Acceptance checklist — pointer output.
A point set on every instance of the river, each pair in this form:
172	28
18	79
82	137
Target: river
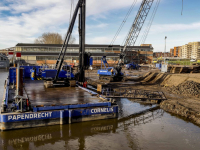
153	130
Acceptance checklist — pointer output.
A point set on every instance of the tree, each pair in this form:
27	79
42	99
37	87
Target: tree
49	38
53	38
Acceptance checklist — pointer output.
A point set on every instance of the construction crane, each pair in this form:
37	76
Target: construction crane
58	79
106	73
136	27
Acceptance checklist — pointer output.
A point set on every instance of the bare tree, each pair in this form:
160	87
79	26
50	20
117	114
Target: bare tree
49	38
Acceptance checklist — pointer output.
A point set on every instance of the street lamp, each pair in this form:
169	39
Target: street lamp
165	48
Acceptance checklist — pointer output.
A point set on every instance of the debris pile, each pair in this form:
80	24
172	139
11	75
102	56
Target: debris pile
188	88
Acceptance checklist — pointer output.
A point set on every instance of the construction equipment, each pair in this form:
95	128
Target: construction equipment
66	76
109	73
132	65
59	79
114	73
136	28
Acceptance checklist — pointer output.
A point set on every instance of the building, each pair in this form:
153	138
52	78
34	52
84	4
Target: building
195	50
6	51
186	51
146	45
48	53
191	50
161	54
177	51
139	54
172	52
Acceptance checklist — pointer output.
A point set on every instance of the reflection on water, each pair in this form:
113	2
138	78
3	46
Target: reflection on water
152	130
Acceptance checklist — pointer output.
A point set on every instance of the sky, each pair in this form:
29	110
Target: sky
22	21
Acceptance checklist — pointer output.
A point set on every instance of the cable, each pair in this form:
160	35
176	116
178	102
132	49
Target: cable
71	10
123	22
182	8
143	39
146	32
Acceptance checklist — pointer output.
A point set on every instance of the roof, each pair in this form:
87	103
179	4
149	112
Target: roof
75	45
60	45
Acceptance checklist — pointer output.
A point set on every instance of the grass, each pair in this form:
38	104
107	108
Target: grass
181	62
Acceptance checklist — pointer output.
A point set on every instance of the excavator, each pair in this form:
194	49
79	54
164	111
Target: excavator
105	73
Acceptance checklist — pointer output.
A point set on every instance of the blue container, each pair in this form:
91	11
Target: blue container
158	66
12	74
91	61
27	70
52	73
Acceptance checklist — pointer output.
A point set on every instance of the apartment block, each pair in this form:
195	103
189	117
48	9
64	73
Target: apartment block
177	51
186	51
195	50
172	52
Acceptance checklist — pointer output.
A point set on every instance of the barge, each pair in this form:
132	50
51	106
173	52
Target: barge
33	105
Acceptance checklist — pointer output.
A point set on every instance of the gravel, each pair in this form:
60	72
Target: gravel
187	88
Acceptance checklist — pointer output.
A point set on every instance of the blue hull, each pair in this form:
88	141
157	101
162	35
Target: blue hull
11	121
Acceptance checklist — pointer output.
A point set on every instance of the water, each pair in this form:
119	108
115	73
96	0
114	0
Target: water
153	130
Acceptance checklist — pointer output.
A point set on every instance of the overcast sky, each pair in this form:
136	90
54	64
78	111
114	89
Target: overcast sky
21	21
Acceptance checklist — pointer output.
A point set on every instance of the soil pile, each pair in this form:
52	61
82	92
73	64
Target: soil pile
188	88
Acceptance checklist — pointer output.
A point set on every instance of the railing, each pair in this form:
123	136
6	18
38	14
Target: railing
133	94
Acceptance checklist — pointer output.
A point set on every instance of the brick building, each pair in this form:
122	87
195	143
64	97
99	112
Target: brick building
161	54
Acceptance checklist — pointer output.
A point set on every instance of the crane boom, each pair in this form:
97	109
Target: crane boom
138	23
79	7
66	41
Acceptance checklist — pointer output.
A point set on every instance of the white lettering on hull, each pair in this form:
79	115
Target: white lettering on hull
30	116
100	110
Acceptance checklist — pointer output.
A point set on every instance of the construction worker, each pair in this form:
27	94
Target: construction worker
85	84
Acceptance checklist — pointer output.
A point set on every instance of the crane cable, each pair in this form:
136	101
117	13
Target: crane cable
123	22
71	15
146	32
71	10
182	8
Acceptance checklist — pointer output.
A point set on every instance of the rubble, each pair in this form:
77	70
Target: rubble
187	88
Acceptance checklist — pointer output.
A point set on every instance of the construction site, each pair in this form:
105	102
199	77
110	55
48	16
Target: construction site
175	91
98	96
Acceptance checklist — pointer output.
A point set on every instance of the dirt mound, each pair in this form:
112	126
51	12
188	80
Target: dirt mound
187	88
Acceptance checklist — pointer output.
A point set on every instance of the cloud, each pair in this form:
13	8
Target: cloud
4	8
100	25
100	40
160	28
27	20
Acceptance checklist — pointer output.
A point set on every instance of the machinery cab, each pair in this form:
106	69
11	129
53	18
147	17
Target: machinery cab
132	65
110	73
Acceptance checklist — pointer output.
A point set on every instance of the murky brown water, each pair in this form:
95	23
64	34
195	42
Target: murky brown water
154	130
